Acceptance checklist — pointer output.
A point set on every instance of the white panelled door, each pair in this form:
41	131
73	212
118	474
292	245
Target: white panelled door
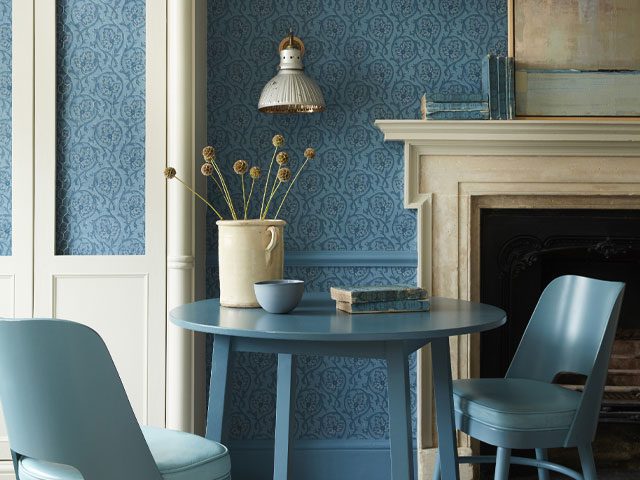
123	297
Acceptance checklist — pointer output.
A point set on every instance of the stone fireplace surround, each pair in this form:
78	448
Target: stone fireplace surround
453	169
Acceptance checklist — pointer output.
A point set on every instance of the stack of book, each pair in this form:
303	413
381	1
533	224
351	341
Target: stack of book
498	86
496	102
380	299
462	106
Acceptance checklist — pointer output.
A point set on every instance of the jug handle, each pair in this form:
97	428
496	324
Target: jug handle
275	237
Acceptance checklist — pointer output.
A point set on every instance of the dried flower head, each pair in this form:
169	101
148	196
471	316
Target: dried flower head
282	158
254	172
284	174
310	153
209	153
240	167
206	169
170	172
278	140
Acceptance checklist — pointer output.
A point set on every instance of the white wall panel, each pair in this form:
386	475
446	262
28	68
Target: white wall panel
116	307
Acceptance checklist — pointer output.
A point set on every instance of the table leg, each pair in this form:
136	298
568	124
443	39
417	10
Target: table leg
447	445
218	387
285	410
400	436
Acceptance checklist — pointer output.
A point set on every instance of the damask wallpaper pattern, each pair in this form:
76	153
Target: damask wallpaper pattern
100	127
5	127
372	59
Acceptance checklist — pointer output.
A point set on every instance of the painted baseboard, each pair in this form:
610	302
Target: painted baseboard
315	459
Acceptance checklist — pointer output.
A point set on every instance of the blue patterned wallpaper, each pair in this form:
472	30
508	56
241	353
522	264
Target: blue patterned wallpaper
100	127
5	127
372	60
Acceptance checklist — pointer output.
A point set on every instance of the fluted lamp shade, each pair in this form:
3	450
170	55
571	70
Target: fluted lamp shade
291	91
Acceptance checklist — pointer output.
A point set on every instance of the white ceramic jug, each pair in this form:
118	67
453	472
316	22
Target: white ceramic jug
249	251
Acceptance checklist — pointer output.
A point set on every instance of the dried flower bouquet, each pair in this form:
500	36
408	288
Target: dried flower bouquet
211	169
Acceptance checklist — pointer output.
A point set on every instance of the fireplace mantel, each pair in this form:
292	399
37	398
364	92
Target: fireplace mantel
620	137
453	169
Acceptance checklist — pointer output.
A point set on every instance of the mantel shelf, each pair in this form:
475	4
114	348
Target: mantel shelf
529	137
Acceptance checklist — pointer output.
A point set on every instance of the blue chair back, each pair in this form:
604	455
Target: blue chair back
64	402
572	330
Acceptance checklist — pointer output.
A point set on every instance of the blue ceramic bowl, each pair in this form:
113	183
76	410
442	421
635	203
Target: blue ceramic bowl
279	296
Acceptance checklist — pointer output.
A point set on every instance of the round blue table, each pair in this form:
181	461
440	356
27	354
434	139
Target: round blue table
315	327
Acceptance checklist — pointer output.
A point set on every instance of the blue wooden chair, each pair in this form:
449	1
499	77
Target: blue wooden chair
68	416
571	331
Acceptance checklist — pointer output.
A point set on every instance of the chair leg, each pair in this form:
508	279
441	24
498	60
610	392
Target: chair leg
541	454
503	459
14	458
587	462
436	468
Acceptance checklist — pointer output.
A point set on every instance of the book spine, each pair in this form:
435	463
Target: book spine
502	88
365	295
457	97
492	85
456	106
511	87
382	307
471	115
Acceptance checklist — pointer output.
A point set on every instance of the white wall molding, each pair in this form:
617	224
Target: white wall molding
186	135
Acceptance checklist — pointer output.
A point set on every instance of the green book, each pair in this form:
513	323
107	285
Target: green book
377	293
394	306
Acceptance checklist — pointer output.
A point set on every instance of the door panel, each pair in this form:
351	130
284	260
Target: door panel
116	307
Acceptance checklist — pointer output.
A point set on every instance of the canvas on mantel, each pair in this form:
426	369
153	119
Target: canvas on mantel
576	57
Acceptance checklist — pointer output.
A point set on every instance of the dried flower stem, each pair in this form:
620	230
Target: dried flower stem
244	197
217	183
290	185
246	205
200	197
266	209
266	185
226	190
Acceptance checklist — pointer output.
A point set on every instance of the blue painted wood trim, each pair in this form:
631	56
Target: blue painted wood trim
344	258
354	258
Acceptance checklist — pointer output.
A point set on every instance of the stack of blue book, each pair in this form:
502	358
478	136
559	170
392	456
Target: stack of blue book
498	86
457	106
380	299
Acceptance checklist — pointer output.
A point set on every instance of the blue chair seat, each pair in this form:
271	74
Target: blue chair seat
179	456
515	403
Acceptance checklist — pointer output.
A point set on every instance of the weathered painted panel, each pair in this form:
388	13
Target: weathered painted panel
581	34
575	93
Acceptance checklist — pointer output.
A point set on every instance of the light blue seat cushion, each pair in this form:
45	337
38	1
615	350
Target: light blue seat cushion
179	456
515	403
